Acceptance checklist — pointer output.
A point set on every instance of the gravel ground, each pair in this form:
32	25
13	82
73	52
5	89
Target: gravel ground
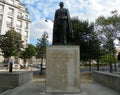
39	89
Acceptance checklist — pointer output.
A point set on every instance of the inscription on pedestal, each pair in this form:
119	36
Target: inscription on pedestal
62	74
59	57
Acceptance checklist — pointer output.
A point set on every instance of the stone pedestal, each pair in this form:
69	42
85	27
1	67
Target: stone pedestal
63	69
14	79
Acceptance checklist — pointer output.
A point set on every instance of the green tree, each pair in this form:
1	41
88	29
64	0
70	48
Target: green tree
108	29
85	36
107	59
28	53
41	48
11	43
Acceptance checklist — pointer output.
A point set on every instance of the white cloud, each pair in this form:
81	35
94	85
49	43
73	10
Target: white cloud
29	2
84	9
39	27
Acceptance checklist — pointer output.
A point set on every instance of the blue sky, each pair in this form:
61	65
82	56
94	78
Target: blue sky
84	9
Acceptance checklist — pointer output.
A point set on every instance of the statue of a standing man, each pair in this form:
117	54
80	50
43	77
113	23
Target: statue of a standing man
62	30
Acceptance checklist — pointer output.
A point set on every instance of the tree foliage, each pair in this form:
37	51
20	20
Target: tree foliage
11	43
41	49
85	36
41	46
29	52
108	30
107	59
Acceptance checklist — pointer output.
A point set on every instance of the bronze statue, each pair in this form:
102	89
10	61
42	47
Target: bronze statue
62	30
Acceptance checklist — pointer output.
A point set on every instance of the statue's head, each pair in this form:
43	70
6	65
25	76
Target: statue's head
61	4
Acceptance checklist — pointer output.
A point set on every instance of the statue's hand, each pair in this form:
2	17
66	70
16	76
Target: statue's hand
64	17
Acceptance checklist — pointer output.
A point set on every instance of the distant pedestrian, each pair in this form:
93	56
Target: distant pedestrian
10	66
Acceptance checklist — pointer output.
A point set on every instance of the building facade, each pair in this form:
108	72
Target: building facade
13	14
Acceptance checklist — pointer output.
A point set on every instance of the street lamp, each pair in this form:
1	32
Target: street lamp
46	20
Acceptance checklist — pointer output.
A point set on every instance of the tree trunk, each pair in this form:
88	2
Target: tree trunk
89	65
111	69
115	67
41	65
8	60
25	60
98	65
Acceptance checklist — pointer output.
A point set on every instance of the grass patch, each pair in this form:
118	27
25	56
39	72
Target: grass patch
86	77
42	76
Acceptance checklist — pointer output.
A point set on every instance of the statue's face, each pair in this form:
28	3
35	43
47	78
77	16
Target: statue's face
61	4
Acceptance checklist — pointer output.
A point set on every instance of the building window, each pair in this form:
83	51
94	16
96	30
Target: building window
0	21
2	0
26	25
8	28
16	2
26	17
1	18
19	15
26	34
19	24
11	2
19	31
1	8
25	42
11	11
9	21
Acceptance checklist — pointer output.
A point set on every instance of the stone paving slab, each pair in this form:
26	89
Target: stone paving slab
39	89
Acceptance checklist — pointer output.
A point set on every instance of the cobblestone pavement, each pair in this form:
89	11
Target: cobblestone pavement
32	88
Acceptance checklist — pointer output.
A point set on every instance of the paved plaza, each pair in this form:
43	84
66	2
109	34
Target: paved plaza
32	88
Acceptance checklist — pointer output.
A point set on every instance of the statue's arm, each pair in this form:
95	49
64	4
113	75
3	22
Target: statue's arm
68	15
69	24
55	21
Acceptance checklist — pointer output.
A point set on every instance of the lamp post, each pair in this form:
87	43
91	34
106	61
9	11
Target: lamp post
46	20
43	50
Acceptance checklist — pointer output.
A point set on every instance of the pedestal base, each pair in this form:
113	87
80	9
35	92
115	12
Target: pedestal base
63	69
14	79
